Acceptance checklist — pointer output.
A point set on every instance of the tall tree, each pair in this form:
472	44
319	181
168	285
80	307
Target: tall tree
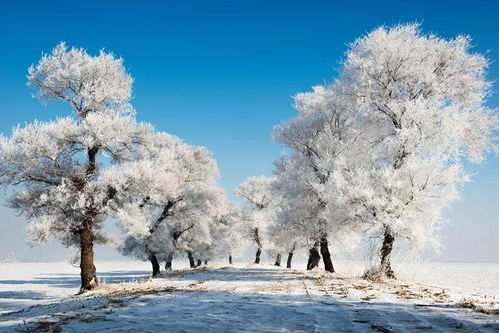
421	113
319	136
54	167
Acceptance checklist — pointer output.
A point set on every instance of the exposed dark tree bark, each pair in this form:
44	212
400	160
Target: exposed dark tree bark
230	259
169	260
87	268
152	257
88	272
257	256
191	259
313	258
326	256
388	239
164	214
278	260
386	251
256	238
290	258
199	263
154	263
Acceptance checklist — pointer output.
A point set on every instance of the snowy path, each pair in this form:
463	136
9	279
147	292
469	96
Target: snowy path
256	299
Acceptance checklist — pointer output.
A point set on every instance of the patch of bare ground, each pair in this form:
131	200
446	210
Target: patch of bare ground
479	306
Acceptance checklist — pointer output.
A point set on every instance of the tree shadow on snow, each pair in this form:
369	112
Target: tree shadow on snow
12	300
26	295
55	281
65	280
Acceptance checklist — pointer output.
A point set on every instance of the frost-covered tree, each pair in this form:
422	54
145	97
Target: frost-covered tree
292	228
321	134
169	199
229	235
421	112
381	150
10	258
226	236
258	211
299	220
203	245
54	167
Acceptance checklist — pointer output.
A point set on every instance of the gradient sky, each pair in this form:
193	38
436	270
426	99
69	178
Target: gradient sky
222	73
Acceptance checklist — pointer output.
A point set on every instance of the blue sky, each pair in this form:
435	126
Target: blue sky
221	74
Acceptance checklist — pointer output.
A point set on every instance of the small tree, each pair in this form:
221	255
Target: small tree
286	234
258	212
229	233
55	166
296	223
10	258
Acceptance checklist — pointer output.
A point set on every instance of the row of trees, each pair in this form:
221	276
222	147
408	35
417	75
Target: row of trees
378	153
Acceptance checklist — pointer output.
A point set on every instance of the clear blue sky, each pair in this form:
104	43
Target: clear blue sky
221	74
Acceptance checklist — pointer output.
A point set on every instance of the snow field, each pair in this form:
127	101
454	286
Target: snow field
258	298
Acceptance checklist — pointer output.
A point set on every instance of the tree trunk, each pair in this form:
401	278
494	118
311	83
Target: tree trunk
88	272
290	258
386	251
313	258
199	263
257	256
256	238
87	268
278	260
155	264
168	265
230	259
326	256
191	259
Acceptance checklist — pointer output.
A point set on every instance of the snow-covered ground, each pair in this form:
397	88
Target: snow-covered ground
465	277
437	296
23	284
